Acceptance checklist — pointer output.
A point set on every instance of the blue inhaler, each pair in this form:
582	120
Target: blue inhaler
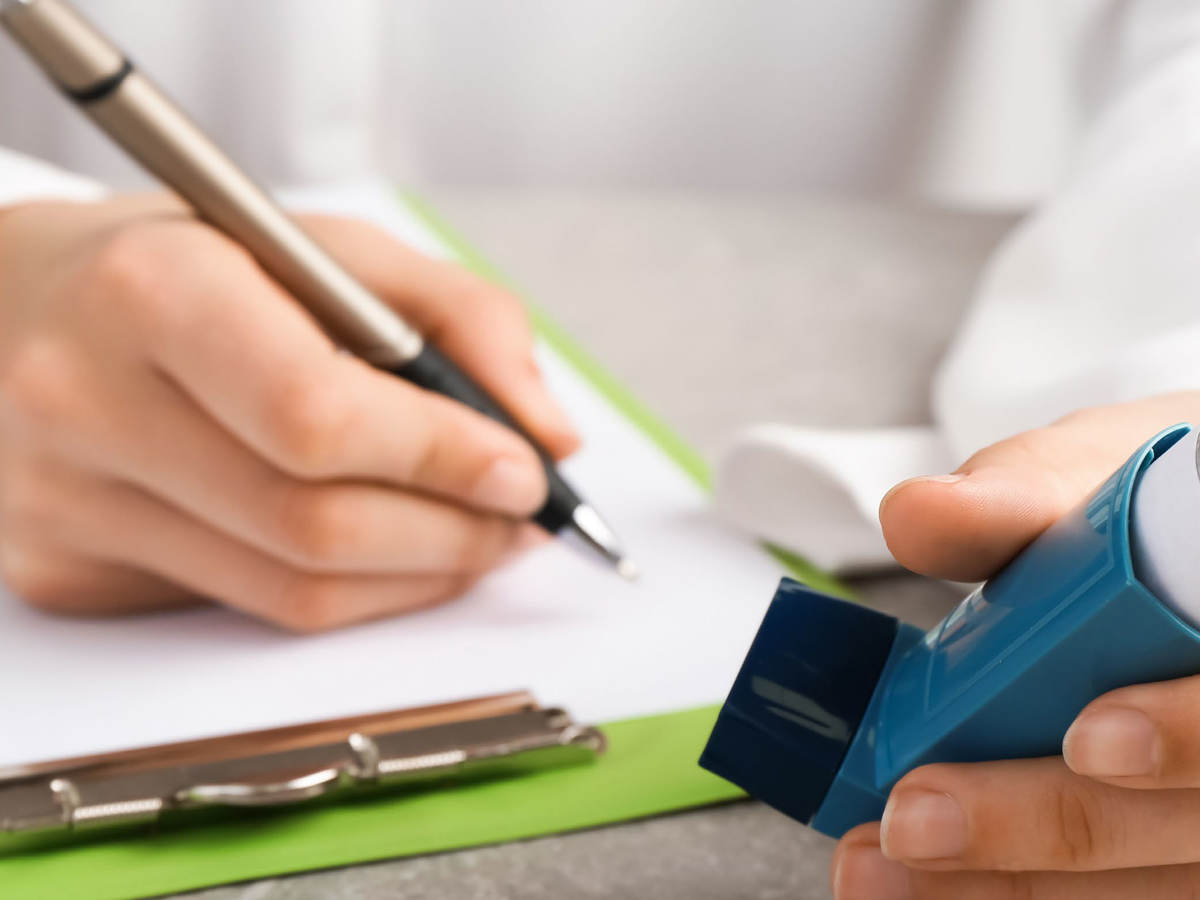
835	701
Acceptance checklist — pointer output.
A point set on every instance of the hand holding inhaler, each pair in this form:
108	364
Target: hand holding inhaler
1100	601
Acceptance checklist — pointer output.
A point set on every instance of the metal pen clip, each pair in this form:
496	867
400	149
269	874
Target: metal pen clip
493	736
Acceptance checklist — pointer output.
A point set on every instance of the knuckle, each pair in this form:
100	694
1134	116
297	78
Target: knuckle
312	603
38	385
449	449
483	546
487	300
446	445
1055	451
126	268
426	452
436	590
136	270
316	528
470	297
24	504
1022	886
35	580
1077	827
307	418
360	231
1046	451
326	223
505	302
453	587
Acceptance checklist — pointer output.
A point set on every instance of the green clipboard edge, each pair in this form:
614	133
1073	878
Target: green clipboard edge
640	776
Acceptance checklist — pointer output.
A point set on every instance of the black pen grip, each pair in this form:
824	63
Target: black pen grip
434	371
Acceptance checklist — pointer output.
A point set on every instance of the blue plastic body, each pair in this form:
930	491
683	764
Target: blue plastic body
1002	676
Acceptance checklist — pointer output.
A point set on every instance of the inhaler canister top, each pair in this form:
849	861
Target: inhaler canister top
1164	528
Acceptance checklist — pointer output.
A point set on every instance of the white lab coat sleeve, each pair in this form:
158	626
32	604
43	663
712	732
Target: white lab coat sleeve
1096	297
24	178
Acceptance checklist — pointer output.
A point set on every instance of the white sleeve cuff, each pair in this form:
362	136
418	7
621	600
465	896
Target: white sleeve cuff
24	178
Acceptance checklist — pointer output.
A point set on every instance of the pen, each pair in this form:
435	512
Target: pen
94	73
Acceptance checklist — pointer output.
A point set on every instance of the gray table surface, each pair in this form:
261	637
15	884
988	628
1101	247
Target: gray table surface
718	310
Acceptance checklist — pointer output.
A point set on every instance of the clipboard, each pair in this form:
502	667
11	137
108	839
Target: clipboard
649	766
497	736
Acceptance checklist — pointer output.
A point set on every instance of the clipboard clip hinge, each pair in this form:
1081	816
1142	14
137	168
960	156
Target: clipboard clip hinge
102	793
77	814
365	753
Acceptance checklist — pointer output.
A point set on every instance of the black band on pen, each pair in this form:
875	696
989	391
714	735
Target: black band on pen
100	89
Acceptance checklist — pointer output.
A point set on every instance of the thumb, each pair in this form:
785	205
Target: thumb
966	525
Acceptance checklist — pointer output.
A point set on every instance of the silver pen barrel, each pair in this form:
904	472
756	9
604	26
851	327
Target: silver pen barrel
154	131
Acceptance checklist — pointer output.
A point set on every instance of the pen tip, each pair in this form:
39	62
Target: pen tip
628	569
600	537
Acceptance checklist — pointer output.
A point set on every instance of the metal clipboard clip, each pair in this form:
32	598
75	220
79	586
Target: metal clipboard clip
495	736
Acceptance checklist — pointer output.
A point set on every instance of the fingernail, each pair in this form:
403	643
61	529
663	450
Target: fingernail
919	479
864	873
1112	742
920	824
510	486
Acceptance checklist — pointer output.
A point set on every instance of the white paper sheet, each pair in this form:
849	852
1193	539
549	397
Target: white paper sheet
555	622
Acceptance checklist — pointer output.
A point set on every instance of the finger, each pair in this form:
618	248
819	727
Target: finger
862	872
1143	736
482	327
967	525
1034	815
145	431
317	526
120	523
58	581
250	357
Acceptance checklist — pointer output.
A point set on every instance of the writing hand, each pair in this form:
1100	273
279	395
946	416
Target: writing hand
174	426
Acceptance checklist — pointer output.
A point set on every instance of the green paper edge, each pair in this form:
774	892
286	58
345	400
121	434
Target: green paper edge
607	386
648	770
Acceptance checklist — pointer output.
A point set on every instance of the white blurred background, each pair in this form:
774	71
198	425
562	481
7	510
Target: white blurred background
964	102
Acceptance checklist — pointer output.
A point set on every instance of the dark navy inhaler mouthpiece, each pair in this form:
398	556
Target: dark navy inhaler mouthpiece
836	701
797	703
